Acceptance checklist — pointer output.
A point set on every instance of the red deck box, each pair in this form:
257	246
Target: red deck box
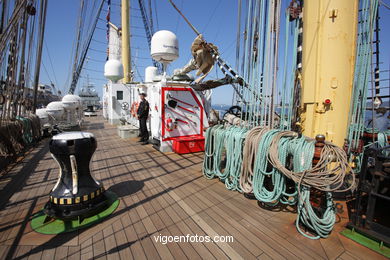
188	144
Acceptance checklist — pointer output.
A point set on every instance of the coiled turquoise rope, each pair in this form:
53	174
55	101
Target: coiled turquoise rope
260	173
306	215
230	141
27	129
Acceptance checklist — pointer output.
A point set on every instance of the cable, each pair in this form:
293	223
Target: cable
51	63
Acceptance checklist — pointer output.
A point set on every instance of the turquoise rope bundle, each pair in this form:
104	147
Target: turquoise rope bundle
382	141
303	152
307	216
212	145
27	129
230	141
234	142
260	173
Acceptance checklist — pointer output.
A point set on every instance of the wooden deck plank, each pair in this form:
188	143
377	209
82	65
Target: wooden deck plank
36	255
99	251
61	252
123	244
236	245
212	247
161	222
86	249
74	253
110	243
346	256
134	245
187	248
358	251
49	254
23	252
202	251
240	235
159	194
150	228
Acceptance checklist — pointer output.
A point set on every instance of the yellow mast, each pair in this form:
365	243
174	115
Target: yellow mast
126	54
329	41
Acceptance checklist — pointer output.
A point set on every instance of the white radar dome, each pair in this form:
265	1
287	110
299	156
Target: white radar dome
150	73
55	109
71	102
164	47
80	101
113	70
43	115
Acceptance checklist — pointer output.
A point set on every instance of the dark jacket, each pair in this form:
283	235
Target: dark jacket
143	109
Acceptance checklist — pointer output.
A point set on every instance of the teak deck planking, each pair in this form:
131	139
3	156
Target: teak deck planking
159	194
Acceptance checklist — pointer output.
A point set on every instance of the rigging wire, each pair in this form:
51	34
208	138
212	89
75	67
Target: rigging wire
178	18
212	16
51	63
155	12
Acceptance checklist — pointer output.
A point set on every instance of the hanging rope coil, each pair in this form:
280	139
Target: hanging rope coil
27	129
11	141
329	174
275	193
249	156
222	141
262	161
234	143
308	217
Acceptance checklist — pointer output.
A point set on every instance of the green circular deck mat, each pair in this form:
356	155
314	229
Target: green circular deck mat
59	226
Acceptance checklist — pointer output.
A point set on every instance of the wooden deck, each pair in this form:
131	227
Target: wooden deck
159	194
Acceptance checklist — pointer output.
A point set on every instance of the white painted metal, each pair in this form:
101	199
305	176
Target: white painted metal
55	110
72	135
164	47
113	70
151	74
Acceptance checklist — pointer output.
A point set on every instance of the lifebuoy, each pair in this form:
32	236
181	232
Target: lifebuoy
169	125
134	108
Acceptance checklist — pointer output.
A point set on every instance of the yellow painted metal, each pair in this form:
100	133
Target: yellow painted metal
126	55
329	43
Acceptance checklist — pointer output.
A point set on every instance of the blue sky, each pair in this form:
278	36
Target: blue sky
216	19
217	22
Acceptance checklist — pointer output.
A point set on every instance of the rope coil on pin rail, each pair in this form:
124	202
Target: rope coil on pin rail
250	151
329	174
278	191
224	141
